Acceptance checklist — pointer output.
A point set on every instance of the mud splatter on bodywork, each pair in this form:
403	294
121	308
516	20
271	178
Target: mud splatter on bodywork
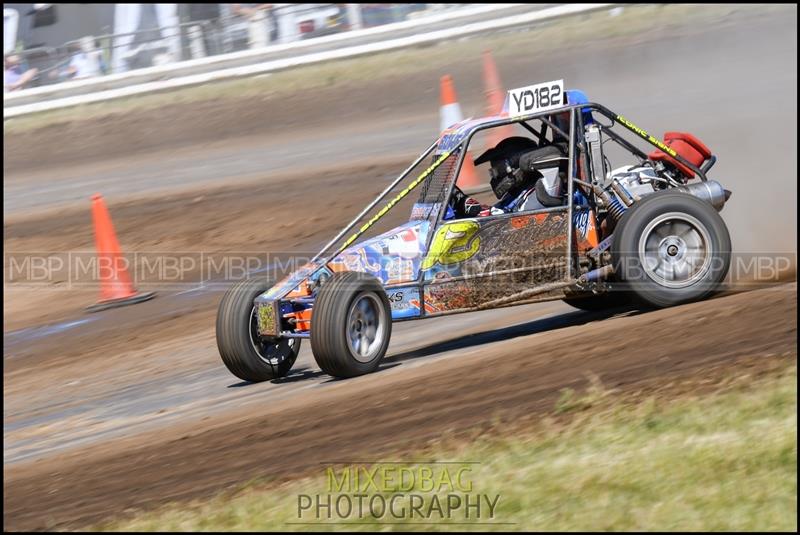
494	258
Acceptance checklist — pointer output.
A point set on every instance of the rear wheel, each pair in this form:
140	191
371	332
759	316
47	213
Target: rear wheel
671	248
351	325
247	355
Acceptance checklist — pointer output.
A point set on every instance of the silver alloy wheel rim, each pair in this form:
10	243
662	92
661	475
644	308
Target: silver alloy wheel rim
675	250
366	326
272	354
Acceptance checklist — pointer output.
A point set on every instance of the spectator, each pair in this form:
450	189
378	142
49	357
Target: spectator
209	17
85	61
14	77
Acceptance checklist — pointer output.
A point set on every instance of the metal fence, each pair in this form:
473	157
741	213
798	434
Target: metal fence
100	55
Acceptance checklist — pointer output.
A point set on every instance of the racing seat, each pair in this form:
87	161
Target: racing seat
688	147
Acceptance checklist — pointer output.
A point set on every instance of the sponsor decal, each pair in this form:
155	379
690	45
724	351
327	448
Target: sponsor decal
581	220
358	260
404	244
404	302
652	139
399	270
451	139
520	222
430	308
424	210
585	229
453	244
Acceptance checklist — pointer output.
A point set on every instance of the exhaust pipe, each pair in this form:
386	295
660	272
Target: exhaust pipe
710	191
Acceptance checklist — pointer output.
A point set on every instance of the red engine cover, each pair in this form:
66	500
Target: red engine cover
687	146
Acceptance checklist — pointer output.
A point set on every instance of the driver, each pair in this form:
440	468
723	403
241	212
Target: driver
516	173
511	186
524	175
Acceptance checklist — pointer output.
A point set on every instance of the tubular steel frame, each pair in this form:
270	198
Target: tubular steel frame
459	150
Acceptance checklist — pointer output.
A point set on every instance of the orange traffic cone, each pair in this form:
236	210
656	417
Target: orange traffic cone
450	110
116	288
468	180
450	114
495	97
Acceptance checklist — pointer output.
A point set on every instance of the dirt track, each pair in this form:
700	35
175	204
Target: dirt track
130	408
493	377
257	218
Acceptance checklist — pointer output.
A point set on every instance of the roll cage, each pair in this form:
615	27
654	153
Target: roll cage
463	136
453	143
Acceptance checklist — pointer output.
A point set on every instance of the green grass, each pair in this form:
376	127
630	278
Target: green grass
541	40
723	461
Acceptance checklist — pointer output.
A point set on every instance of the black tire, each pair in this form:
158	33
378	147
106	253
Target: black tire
661	237
244	353
335	315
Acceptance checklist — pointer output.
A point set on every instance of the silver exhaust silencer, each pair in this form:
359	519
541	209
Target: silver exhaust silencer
710	191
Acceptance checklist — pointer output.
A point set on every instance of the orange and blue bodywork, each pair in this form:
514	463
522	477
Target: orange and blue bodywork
431	266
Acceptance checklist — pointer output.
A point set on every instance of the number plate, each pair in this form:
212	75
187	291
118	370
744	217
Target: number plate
536	98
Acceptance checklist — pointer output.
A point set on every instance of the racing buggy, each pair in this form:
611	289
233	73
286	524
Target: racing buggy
596	236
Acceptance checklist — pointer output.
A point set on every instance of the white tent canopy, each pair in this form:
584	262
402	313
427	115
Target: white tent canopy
129	18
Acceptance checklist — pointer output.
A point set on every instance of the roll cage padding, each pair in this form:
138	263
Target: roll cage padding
552	155
546	157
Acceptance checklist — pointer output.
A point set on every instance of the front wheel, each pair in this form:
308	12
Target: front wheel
671	248
247	355
351	324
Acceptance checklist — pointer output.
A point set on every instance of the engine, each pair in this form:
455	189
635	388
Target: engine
631	183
